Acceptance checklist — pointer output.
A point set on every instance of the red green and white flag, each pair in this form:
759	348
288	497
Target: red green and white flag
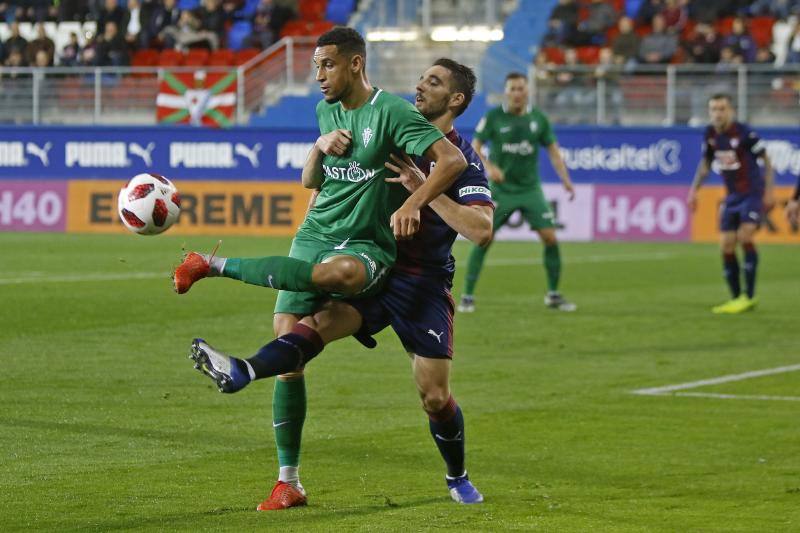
199	98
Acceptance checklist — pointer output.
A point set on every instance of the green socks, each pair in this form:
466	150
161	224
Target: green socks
288	416
474	266
284	273
552	265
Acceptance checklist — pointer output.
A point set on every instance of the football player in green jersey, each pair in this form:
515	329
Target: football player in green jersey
514	133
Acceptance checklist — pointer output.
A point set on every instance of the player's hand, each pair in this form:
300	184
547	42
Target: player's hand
496	175
404	222
793	212
408	173
769	201
691	199
570	190
335	143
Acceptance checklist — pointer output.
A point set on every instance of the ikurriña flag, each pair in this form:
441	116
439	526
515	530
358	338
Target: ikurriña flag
199	98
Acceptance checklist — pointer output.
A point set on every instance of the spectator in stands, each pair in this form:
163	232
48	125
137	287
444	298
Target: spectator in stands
647	10
42	42
263	35
626	45
133	30
704	45
782	32
564	20
608	69
15	59
88	56
571	89
189	34
781	9
213	18
42	59
675	13
764	56
72	10
601	17
658	46
112	50
111	12
70	54
545	82
794	46
15	42
708	10
741	41
163	16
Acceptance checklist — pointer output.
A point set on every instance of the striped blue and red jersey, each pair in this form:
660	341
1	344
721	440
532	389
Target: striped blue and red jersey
734	154
428	253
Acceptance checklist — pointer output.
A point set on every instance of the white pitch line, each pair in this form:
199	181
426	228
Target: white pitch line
655	256
96	276
738	396
656	391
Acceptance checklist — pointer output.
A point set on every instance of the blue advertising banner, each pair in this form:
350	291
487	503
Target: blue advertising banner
659	156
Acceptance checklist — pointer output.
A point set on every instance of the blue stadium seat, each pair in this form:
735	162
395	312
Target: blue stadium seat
248	10
188	4
238	33
339	10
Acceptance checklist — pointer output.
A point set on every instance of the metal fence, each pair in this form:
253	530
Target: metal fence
127	95
665	95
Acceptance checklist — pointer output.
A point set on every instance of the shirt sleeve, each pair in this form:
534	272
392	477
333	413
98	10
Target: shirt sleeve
483	131
548	137
472	187
708	150
755	144
410	131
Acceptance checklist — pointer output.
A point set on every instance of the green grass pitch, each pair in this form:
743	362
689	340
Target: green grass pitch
106	426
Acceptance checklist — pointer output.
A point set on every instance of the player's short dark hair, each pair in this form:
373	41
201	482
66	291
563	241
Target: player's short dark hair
721	96
462	80
347	41
515	75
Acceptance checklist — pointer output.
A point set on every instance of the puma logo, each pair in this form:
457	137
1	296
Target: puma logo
144	153
251	154
437	335
476	165
41	153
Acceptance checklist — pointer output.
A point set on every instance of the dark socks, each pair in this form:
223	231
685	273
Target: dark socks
750	265
730	267
447	430
287	353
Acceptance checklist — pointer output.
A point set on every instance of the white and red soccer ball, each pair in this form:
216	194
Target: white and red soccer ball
149	204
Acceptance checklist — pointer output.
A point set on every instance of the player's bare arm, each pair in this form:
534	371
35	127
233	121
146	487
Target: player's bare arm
700	176
472	221
769	182
336	143
554	153
493	172
450	162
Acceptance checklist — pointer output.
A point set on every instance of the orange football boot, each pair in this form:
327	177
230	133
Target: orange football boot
193	268
283	496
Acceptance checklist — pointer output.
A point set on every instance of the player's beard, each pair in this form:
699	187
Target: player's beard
432	114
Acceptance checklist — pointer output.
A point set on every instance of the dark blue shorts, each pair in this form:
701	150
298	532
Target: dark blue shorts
420	310
738	210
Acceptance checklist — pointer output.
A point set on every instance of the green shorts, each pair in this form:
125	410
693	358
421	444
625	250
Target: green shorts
535	208
313	250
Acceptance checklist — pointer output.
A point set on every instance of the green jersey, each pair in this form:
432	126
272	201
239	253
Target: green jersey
355	203
514	142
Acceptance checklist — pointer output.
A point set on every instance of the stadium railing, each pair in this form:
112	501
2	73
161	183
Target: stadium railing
665	95
127	95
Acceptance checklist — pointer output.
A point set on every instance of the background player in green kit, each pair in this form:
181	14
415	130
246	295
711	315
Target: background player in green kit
514	133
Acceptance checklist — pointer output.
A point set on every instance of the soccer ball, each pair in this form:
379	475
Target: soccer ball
149	204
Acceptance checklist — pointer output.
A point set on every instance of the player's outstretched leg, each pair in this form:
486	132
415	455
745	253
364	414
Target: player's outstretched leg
288	353
193	268
229	373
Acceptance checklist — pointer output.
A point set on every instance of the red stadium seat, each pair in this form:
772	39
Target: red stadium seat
246	54
643	30
312	10
170	58
196	57
554	55
320	27
294	27
761	30
724	25
145	57
611	34
221	58
588	54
